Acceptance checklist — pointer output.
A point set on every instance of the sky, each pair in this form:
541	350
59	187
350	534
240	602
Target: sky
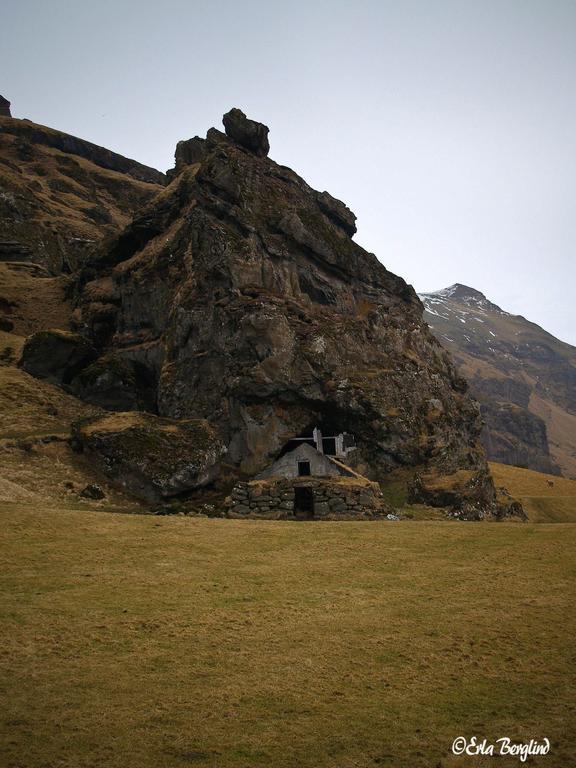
447	126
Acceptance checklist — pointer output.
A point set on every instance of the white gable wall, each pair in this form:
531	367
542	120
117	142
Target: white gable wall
287	465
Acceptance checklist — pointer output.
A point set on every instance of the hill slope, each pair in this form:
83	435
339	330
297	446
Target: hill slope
524	377
60	195
544	498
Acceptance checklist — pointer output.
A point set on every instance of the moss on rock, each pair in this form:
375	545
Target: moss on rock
152	458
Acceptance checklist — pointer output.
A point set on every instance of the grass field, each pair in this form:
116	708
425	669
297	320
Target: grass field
545	498
137	641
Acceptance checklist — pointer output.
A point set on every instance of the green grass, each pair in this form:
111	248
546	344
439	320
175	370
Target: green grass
145	642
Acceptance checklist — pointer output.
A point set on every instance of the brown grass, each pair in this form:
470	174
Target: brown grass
36	460
86	185
37	302
542	502
134	641
458	479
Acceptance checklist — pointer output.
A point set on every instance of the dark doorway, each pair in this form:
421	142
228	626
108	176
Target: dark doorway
303	503
329	446
303	469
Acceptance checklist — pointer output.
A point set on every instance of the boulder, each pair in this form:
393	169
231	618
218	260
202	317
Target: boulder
465	494
248	133
152	458
92	491
115	384
188	152
57	356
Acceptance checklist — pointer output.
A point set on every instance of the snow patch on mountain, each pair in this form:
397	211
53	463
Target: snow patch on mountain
459	293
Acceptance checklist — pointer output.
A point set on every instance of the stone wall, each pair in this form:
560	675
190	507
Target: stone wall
334	499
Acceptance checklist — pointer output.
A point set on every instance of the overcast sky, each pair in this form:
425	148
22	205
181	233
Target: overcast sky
448	126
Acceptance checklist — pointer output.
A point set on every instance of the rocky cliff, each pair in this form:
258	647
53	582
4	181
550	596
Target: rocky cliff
523	376
240	298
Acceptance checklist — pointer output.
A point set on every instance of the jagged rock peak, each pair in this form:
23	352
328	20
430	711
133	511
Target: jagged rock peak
4	107
252	136
240	131
248	133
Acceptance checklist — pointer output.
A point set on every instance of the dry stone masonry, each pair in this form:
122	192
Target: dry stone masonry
314	498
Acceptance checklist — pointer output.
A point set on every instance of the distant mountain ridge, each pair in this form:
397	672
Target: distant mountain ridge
523	377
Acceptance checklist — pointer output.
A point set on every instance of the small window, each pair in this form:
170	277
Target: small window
303	468
329	446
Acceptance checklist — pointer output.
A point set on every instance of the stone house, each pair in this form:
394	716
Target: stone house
304	484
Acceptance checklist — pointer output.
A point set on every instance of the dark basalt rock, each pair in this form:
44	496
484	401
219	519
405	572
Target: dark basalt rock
12	250
241	290
466	495
247	133
4	107
92	491
115	384
152	458
57	356
338	212
188	152
515	436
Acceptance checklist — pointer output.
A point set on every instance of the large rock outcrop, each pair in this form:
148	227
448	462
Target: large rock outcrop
56	355
247	133
240	291
152	458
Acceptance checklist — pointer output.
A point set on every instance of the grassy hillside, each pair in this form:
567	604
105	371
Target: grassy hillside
35	417
36	459
135	641
61	195
545	498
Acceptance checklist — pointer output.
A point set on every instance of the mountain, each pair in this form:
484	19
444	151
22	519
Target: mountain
524	378
60	195
234	313
176	341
